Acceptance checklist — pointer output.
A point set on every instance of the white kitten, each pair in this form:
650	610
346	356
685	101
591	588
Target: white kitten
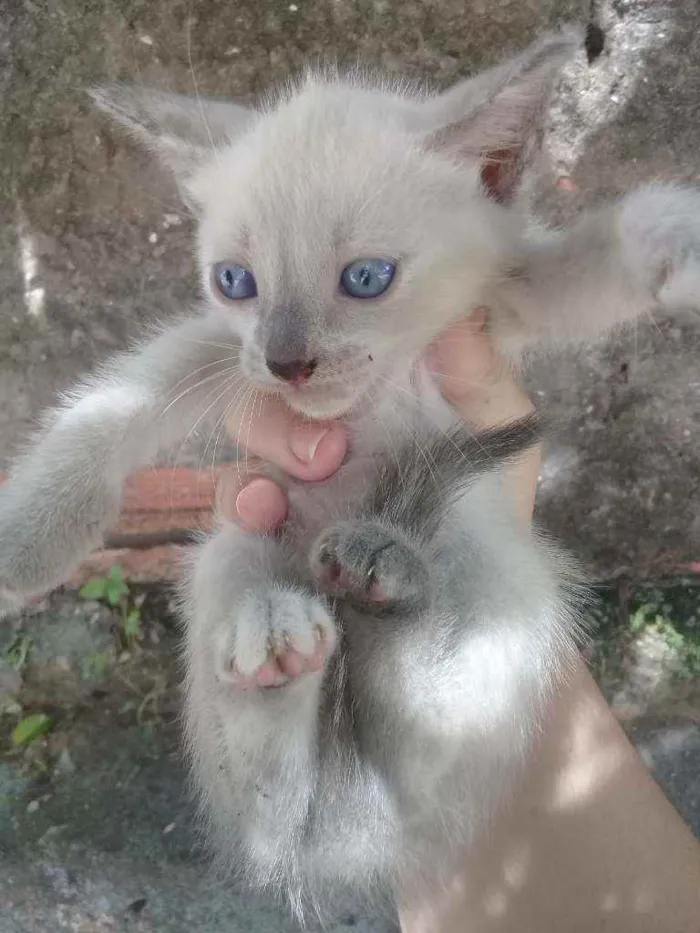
363	689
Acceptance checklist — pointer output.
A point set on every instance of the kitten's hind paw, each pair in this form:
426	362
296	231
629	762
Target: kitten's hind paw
276	636
372	563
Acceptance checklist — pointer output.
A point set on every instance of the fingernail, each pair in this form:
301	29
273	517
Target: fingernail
305	439
248	497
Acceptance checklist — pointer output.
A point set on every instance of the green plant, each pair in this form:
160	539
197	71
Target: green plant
685	647
30	728
113	590
18	653
95	666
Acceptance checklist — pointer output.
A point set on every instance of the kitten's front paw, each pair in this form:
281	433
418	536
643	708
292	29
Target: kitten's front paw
277	635
368	561
660	232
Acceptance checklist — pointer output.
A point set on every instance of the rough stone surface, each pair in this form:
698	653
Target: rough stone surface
94	244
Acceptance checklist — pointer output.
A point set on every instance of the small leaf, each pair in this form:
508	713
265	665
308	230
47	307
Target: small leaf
115	574
132	624
112	596
115	592
94	589
30	728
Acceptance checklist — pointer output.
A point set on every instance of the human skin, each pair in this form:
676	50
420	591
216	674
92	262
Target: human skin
589	843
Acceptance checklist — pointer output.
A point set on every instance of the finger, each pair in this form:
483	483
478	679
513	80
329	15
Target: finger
308	450
473	376
254	502
463	358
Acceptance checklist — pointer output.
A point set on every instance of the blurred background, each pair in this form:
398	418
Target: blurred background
95	828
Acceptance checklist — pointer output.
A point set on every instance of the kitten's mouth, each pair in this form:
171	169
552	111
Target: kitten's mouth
321	401
330	399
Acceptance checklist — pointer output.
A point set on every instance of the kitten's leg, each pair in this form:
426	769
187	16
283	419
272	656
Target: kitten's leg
256	653
611	267
454	645
68	486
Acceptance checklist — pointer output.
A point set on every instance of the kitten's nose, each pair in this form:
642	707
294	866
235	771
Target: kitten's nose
294	371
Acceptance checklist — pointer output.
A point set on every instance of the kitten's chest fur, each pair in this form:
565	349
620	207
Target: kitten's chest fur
375	435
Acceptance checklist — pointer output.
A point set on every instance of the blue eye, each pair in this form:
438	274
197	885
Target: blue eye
367	278
234	281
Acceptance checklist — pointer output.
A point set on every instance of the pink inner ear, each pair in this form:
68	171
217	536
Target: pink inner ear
500	173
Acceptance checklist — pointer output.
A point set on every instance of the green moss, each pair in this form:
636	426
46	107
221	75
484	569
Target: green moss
96	666
622	616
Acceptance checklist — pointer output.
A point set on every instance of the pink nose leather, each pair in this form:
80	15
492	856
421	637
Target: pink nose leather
295	371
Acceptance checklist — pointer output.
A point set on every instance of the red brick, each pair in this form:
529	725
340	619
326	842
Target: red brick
151	565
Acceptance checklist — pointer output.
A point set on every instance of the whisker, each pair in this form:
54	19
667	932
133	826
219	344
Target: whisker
217	362
231	370
221	423
200	105
217	423
218	429
258	411
254	404
211	343
392	447
473	434
227	388
425	454
238	439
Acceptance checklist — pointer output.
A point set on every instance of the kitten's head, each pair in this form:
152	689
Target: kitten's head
346	224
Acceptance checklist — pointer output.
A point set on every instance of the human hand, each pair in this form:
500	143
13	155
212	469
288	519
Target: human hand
472	377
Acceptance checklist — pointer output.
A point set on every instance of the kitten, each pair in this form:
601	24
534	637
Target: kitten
362	689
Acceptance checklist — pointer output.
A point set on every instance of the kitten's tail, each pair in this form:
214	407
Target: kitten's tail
416	487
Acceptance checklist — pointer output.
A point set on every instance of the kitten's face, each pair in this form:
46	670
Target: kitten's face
336	182
308	211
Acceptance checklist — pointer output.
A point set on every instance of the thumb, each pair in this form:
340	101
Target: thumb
252	501
307	450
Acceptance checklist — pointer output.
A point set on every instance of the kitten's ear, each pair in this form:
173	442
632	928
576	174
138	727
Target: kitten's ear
497	117
184	132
